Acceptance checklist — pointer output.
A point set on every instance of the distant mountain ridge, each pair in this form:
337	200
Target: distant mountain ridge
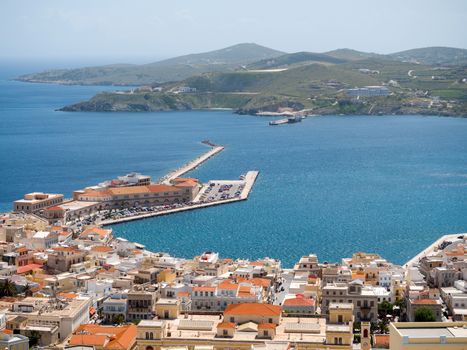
172	69
246	56
433	56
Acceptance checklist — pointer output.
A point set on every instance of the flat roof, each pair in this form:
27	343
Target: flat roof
425	332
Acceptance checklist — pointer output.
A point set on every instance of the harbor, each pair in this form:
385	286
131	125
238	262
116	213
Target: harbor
249	180
134	196
193	163
432	248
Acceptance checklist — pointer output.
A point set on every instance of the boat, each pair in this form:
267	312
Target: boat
294	119
278	122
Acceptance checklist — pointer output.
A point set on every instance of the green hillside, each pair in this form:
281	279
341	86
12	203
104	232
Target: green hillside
448	56
174	69
292	59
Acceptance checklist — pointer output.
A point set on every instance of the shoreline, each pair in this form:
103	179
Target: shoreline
250	179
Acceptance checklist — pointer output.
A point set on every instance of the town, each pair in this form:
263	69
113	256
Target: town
78	286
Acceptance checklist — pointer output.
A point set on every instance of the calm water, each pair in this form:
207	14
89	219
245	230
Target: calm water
330	185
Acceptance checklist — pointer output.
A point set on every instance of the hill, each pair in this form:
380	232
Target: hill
443	56
319	88
173	69
351	55
293	59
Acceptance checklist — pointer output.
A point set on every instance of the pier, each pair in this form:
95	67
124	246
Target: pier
192	164
431	249
249	180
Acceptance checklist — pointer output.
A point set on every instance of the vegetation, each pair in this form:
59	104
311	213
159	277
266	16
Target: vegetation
7	289
118	319
424	314
244	77
174	69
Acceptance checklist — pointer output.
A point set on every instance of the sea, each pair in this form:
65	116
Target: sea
331	185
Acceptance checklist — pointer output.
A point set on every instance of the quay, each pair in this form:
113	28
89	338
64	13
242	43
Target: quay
166	180
249	180
430	249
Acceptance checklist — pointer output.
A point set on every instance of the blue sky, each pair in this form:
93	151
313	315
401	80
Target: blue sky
145	30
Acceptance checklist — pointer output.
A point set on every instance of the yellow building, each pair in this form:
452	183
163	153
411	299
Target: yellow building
167	308
167	276
251	329
428	335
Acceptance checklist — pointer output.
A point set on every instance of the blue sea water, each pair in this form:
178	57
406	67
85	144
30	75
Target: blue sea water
330	185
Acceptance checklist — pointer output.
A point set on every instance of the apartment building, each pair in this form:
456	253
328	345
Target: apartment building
363	298
36	201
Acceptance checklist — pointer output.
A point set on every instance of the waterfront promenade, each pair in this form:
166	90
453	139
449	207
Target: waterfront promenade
249	181
192	164
430	249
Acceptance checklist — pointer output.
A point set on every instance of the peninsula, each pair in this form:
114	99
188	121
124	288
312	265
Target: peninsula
252	79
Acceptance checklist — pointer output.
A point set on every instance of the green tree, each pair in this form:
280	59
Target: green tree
118	319
424	314
385	308
7	289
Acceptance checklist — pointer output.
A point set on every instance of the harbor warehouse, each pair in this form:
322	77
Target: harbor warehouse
134	196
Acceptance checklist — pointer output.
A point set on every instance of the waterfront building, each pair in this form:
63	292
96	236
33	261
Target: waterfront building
427	335
308	264
131	179
136	196
36	201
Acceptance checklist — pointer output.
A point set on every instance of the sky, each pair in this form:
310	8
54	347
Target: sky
140	31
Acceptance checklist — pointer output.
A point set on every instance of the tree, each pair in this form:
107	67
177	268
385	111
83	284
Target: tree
7	289
118	319
34	338
385	308
424	314
27	290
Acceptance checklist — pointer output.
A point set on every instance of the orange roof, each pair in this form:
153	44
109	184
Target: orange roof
161	188
118	338
100	231
299	302
54	208
256	263
424	302
267	326
67	295
253	309
21	250
28	268
101	249
187	183
65	233
88	339
96	193
224	325
65	249
228	285
7	331
263	282
183	294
